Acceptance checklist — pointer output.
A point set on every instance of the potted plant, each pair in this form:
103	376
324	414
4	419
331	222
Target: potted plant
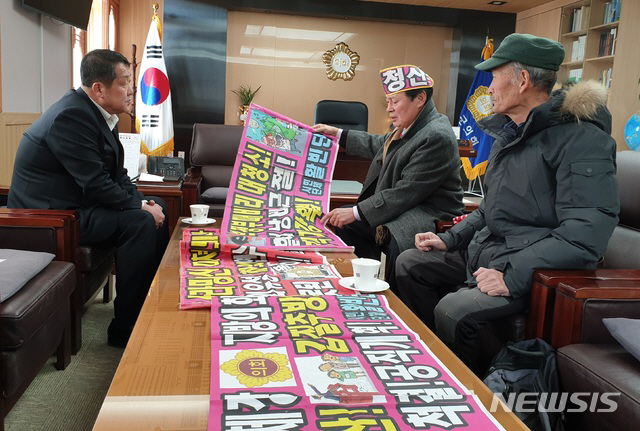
246	95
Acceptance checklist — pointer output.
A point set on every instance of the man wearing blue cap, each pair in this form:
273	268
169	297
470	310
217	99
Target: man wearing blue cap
550	202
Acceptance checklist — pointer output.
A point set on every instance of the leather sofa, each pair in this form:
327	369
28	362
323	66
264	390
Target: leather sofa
214	148
36	321
620	267
94	265
595	363
589	359
621	260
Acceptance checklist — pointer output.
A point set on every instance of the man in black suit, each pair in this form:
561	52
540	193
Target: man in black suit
71	158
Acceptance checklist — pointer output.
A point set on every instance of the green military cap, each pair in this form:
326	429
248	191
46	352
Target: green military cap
526	49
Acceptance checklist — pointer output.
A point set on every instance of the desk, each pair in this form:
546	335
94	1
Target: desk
162	382
465	148
171	192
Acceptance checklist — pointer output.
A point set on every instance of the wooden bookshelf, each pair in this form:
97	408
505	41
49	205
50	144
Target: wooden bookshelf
585	26
550	20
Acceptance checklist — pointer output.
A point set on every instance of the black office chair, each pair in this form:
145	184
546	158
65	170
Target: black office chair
342	114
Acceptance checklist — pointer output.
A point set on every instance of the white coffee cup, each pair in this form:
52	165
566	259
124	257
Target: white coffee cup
199	213
365	273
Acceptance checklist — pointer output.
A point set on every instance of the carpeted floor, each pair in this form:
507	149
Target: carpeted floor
70	400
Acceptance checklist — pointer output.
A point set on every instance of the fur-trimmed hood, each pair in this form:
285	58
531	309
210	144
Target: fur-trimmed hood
583	100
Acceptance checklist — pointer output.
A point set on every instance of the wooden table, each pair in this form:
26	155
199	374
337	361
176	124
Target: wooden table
162	382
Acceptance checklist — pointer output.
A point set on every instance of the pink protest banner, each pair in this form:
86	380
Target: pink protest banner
209	269
329	363
280	186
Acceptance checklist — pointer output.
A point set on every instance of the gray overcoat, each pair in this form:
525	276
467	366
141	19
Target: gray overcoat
418	183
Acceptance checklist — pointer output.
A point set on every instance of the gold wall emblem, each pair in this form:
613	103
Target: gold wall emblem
341	62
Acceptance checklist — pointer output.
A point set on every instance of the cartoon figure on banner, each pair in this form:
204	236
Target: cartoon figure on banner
338	362
244	240
276	133
321	372
346	375
294	271
343	394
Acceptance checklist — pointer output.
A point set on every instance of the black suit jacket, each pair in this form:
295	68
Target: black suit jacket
69	159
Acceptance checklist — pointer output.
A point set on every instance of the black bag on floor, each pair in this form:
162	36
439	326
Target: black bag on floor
529	367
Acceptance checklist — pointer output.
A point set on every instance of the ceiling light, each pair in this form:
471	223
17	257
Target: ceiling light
497	3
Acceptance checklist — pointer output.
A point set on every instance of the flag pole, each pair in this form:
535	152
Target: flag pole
134	64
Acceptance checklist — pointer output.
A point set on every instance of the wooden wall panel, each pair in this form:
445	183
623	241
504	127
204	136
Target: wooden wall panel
527	25
544	23
292	67
12	126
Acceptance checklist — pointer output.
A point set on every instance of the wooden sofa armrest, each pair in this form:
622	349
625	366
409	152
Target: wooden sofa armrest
552	277
63	226
571	297
543	293
191	188
4	195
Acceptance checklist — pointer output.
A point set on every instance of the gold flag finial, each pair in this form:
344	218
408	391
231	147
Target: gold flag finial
156	18
487	51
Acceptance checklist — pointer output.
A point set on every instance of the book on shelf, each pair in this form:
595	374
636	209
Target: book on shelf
580	18
614	37
575	75
611	12
607	42
577	48
605	77
586	16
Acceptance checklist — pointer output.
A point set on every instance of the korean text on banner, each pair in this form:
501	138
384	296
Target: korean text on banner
280	185
154	118
210	269
329	363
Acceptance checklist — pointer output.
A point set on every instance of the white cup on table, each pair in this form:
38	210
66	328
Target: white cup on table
365	273
199	213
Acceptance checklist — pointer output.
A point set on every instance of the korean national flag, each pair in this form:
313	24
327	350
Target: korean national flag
154	118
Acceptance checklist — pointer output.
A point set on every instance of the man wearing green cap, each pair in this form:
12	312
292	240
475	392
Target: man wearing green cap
551	202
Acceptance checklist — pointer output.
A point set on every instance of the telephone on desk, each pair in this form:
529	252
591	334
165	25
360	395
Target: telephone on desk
171	168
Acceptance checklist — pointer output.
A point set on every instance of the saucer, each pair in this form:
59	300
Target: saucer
379	287
189	221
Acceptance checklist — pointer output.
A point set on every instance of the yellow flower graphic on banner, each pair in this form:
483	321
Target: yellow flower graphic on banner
253	368
479	103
